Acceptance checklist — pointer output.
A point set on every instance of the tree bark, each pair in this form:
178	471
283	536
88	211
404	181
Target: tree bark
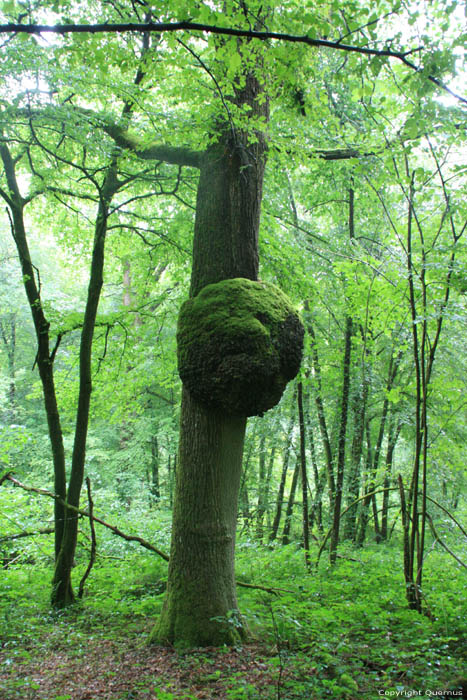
304	477
62	592
201	586
393	435
200	607
316	510
154	486
316	387
344	410
290	504
267	490
355	473
261	505
44	356
285	466
341	443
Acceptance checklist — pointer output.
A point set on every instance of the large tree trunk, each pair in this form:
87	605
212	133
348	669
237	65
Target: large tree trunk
201	583
201	588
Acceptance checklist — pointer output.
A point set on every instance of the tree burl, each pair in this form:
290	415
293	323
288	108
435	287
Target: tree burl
239	343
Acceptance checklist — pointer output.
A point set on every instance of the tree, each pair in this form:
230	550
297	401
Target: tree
45	356
201	587
106	185
430	286
229	151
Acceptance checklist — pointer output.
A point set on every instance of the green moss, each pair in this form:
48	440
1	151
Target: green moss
239	343
179	628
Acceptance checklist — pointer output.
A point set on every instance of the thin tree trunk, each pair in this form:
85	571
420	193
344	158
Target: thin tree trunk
261	506
316	512
364	505
290	504
341	444
244	494
267	490
344	410
62	592
393	435
285	466
317	391
8	334
304	477
355	472
44	357
411	592
155	488
374	507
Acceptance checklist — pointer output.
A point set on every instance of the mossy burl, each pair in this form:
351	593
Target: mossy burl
239	342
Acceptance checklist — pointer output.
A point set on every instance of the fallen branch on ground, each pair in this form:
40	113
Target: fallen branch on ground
4	477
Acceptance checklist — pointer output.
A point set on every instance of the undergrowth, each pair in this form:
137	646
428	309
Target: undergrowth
344	632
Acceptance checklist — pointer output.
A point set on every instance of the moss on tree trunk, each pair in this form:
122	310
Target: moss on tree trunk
201	591
200	607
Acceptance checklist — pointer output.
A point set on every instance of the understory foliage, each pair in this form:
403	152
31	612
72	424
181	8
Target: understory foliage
344	632
116	150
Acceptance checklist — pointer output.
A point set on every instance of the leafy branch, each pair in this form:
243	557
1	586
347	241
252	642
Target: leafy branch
160	27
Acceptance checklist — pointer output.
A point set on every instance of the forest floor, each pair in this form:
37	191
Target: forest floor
343	633
107	669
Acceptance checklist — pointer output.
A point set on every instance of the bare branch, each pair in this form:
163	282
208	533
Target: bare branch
92	557
440	541
113	528
169	154
33	533
116	531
